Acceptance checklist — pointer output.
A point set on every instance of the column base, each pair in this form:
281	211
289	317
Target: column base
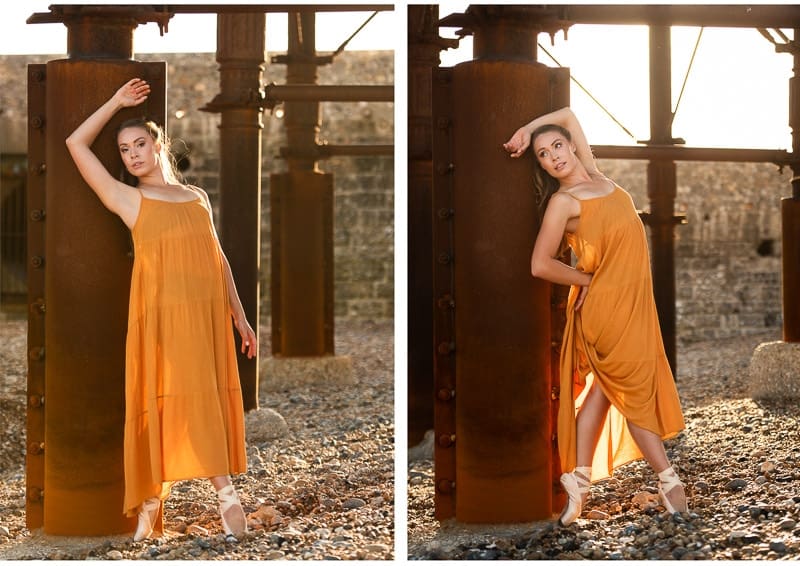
278	373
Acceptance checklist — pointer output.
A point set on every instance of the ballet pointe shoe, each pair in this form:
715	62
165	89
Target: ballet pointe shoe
576	484
148	516
230	511
668	484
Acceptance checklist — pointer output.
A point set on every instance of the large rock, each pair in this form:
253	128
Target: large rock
775	371
263	425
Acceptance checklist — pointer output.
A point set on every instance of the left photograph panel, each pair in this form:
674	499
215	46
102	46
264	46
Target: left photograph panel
197	282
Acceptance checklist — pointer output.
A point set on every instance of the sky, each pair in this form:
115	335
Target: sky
190	33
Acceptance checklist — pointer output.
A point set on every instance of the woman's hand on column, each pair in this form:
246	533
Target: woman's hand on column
519	142
132	93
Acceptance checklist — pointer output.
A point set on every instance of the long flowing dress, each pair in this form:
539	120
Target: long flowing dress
184	417
614	339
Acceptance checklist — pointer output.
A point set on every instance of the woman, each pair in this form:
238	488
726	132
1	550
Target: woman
614	371
183	415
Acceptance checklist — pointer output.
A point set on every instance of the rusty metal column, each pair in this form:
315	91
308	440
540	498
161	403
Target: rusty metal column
424	45
302	217
662	189
790	214
34	438
241	51
501	333
87	268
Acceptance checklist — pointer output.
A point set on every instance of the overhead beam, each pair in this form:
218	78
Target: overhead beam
747	16
680	153
57	11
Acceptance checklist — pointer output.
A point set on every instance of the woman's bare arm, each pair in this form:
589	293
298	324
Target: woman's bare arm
118	197
544	262
248	335
565	118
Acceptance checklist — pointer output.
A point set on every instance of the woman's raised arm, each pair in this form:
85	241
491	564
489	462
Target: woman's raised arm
115	195
565	118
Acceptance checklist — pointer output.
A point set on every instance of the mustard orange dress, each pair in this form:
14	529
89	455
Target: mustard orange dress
183	402
614	339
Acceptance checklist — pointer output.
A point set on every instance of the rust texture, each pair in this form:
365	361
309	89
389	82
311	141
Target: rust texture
87	282
302	216
424	45
34	461
492	325
241	45
443	304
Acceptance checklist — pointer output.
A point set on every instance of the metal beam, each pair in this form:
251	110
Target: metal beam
748	16
328	93
680	153
57	12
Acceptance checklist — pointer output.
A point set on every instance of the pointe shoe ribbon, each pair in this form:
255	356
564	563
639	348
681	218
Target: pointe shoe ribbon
668	480
148	514
576	487
227	500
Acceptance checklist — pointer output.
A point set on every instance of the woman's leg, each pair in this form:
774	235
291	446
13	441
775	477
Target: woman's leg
589	423
652	448
230	509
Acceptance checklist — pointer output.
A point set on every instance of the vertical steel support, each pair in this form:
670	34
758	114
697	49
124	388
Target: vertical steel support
492	322
302	217
241	47
87	283
443	304
790	215
34	456
662	189
424	45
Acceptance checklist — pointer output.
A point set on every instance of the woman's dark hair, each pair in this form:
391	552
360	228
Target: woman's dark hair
157	134
545	185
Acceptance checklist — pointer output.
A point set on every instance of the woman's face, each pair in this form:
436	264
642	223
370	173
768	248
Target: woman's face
138	151
556	154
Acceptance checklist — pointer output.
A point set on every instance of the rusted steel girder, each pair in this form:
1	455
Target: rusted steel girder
241	48
790	212
302	215
661	190
669	152
334	93
492	326
87	266
424	45
34	456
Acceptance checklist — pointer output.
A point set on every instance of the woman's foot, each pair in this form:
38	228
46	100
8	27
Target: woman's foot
148	515
576	484
671	491
230	511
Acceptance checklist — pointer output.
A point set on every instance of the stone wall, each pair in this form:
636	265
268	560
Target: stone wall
728	256
364	186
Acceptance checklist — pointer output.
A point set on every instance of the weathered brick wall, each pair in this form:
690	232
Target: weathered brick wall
363	186
728	254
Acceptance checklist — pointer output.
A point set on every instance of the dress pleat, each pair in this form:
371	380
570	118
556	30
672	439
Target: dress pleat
614	339
184	417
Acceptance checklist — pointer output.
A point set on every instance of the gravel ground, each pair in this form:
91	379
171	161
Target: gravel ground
324	491
740	461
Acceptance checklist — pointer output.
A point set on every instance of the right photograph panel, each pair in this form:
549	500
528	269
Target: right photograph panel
600	268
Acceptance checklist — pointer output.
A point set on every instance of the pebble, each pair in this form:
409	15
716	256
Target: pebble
4	532
301	491
734	515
